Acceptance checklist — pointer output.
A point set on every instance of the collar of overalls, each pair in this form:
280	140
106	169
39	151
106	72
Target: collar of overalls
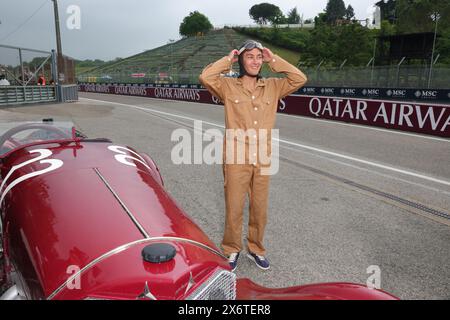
259	83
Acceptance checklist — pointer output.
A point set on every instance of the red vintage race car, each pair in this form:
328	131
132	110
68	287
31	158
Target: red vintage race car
89	219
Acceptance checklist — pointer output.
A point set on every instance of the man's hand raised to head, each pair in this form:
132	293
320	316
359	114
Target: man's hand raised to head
267	55
233	55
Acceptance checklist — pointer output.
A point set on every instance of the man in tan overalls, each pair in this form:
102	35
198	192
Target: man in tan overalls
251	104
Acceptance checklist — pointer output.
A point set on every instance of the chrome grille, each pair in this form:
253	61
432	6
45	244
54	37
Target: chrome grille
221	285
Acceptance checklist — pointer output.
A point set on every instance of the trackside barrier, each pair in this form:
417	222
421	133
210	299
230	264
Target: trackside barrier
67	93
420	117
23	68
10	95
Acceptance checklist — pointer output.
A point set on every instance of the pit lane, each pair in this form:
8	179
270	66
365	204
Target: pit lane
346	197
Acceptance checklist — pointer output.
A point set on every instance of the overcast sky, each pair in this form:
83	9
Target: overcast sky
120	28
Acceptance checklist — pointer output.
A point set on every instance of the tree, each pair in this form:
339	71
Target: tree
265	12
415	16
320	19
334	44
278	18
349	13
293	17
335	10
195	23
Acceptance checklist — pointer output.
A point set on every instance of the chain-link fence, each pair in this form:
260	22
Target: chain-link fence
30	76
23	67
179	78
377	77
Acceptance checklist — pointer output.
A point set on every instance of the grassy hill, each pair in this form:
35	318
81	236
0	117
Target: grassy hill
182	60
342	52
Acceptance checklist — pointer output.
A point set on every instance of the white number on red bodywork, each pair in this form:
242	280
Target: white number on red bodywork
43	154
125	158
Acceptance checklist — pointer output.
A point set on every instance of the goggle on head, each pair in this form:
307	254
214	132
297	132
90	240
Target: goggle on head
250	44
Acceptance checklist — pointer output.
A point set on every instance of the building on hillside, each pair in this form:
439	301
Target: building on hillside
408	47
387	10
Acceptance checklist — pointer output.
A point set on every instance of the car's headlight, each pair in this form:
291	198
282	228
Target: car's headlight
221	285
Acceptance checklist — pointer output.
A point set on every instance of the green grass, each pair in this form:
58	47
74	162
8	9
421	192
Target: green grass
185	58
288	55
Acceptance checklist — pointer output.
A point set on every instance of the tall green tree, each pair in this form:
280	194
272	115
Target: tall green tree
293	17
334	44
320	19
349	13
265	12
279	18
195	23
335	10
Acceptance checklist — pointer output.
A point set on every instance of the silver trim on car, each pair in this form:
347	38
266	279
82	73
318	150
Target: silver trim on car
128	211
125	247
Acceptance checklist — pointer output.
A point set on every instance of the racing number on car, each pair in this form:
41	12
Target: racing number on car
125	158
43	154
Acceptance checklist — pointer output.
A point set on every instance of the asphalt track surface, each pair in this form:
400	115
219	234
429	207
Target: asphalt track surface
346	197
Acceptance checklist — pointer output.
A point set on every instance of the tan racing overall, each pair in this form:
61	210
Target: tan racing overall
251	112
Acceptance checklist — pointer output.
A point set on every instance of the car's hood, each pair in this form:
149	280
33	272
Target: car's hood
89	205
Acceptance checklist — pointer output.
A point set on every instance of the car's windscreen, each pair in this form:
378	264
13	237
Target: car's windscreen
16	134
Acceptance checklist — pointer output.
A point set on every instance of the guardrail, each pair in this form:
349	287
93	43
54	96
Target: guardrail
67	93
10	95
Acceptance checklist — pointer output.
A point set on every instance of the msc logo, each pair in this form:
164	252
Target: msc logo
309	90
396	93
426	93
371	92
348	91
327	90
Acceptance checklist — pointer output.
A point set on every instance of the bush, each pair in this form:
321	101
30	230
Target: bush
293	39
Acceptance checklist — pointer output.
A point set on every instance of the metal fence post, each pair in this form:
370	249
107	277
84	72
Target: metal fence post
54	67
21	66
23	75
373	60
318	70
340	71
435	16
398	70
371	73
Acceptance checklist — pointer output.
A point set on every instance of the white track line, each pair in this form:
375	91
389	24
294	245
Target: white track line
336	122
367	170
334	154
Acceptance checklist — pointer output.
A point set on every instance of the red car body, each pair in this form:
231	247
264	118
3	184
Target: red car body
77	214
